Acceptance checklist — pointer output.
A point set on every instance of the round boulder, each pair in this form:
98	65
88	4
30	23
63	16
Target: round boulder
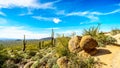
63	62
74	45
88	43
93	51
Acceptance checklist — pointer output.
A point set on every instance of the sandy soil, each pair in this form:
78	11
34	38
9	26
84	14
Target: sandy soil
109	55
117	37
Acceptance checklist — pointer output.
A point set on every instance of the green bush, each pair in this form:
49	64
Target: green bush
62	46
1	47
92	31
104	40
115	31
3	57
81	62
31	53
55	66
10	66
100	37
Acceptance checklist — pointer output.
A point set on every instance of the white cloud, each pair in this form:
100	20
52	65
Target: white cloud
26	4
77	13
90	15
42	18
56	20
93	16
3	14
29	12
3	21
112	12
18	32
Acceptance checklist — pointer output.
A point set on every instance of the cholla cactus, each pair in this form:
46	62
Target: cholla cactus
24	43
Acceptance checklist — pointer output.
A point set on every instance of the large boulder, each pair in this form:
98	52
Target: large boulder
87	43
87	54
74	45
63	62
92	51
83	54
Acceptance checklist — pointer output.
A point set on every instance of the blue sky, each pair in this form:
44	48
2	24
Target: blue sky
35	18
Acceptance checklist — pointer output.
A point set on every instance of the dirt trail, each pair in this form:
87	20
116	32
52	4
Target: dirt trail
109	56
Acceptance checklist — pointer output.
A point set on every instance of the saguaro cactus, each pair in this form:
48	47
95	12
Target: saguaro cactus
52	38
24	43
40	44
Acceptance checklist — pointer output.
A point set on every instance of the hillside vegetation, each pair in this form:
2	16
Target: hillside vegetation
52	53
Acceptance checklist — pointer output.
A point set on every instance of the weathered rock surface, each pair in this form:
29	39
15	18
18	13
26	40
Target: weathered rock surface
92	51
87	43
63	62
74	45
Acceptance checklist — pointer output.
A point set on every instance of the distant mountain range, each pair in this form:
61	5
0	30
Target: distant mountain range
47	38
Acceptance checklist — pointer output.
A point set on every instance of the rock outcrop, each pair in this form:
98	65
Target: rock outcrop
74	45
85	43
88	44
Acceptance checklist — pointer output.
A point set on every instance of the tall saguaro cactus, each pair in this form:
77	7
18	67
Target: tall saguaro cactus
52	37
40	44
24	43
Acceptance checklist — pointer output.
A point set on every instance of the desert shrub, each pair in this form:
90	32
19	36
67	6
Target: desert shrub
115	31
55	66
62	46
1	47
35	64
92	31
101	38
32	47
51	62
47	44
37	56
17	59
15	56
31	53
88	63
75	61
3	57
61	50
11	65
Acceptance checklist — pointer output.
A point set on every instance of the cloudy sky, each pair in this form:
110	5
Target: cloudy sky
35	18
